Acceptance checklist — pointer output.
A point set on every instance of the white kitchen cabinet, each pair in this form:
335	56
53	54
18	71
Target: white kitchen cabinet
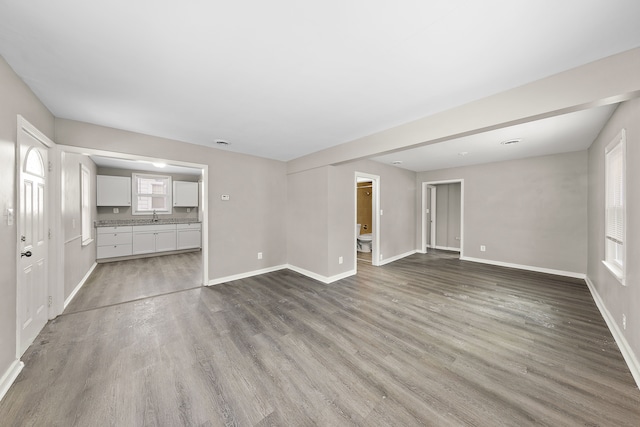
154	238
113	242
113	190
189	236
185	194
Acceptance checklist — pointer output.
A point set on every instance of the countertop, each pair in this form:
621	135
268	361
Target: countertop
122	222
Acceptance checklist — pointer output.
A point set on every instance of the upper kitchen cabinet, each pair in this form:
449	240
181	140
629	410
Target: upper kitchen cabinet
113	190
185	194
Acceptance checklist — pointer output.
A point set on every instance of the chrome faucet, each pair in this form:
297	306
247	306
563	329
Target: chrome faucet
155	216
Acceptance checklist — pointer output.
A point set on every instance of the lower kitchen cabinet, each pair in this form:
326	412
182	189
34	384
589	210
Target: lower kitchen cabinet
189	236
113	242
154	238
120	241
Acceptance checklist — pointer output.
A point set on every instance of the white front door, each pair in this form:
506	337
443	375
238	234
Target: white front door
33	238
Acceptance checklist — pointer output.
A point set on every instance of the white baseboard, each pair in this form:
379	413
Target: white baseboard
319	277
632	360
526	267
396	258
245	275
10	376
77	288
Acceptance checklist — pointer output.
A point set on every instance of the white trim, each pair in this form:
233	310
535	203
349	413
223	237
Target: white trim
319	277
632	360
226	279
397	257
10	376
84	279
72	239
526	267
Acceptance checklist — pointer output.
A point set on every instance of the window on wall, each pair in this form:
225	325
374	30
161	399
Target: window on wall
615	206
151	193
85	204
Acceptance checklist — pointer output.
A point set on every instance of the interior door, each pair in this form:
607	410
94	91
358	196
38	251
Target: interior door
32	292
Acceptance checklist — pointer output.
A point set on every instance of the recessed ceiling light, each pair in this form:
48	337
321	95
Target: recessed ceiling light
396	162
511	141
222	142
463	153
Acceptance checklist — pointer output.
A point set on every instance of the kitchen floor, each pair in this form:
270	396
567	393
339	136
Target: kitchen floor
123	281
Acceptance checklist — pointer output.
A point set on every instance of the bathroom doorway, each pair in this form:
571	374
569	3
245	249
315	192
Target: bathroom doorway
367	214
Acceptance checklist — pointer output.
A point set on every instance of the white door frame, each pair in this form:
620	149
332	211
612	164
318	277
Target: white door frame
430	218
203	210
424	211
52	193
375	209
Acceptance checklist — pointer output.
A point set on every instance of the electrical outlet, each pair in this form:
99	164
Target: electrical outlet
380	257
340	260
116	210
259	255
624	321
224	197
483	248
188	210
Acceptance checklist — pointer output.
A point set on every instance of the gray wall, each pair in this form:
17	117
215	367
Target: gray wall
448	219
325	198
529	212
618	299
308	221
106	212
252	221
16	99
78	259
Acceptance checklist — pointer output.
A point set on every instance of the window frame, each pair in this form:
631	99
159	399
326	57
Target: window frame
615	241
168	196
86	231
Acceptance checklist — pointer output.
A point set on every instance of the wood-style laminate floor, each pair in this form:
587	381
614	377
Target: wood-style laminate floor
427	340
122	281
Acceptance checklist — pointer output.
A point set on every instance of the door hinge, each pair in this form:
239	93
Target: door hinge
50	300
49	234
50	166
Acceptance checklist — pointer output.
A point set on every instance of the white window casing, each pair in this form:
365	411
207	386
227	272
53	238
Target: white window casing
615	206
151	194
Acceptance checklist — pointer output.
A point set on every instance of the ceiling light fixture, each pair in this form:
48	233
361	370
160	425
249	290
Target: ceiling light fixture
463	153
159	164
511	141
396	162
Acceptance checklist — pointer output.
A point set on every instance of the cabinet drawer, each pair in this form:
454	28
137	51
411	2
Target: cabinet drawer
153	227
114	239
116	229
191	226
113	251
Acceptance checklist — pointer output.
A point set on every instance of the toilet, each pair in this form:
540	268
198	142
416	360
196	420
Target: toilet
364	240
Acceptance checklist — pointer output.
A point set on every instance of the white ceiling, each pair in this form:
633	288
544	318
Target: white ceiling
285	78
554	135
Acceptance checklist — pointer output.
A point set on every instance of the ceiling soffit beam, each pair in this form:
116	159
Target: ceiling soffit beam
606	81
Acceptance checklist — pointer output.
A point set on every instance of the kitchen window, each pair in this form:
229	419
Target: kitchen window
151	194
615	206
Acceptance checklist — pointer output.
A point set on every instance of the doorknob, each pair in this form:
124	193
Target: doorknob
27	254
23	238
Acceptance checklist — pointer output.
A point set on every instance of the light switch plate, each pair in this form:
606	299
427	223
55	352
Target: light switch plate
9	216
224	197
